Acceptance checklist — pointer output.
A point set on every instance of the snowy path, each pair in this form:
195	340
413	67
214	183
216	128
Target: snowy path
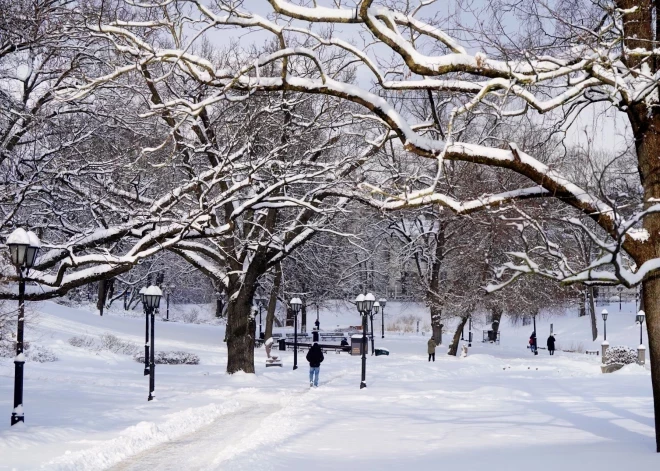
209	446
255	426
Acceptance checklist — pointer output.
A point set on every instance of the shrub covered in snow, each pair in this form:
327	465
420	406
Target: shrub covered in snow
82	341
40	354
32	352
620	355
171	358
116	345
107	342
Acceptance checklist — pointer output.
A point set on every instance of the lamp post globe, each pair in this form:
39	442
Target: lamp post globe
296	304
604	314
359	303
18	243
376	307
23	248
369	300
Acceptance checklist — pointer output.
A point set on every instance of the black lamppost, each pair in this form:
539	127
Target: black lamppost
151	299
604	314
170	289
470	332
375	311
296	304
364	304
146	330
260	302
640	319
382	302
23	248
620	289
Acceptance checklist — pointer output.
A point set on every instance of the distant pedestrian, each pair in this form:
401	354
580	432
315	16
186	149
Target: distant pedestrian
431	348
551	344
532	343
315	358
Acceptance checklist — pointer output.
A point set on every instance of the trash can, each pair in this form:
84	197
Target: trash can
282	344
381	351
357	344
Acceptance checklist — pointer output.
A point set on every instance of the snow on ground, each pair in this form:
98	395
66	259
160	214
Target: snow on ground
500	407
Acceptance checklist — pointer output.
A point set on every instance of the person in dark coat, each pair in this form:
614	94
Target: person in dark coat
533	344
315	358
551	344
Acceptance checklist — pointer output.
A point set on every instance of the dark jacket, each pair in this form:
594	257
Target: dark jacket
551	342
315	356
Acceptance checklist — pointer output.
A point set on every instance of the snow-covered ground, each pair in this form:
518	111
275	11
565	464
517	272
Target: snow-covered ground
499	408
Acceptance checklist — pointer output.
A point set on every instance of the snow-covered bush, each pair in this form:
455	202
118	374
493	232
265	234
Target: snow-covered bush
32	352
620	355
107	341
116	345
171	358
82	341
191	316
40	354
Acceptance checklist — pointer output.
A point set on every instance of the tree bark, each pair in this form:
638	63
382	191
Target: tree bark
240	334
272	302
100	303
652	304
497	312
453	347
592	313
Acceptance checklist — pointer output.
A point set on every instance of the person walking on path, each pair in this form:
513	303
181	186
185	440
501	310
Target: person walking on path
431	348
551	344
532	343
315	358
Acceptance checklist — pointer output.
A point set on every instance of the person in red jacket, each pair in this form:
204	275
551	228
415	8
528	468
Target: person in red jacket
315	358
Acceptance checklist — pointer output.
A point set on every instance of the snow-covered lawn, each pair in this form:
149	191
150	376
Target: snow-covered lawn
500	408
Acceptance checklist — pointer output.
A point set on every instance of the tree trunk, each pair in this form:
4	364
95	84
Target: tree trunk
453	347
218	307
582	307
272	302
303	317
497	312
651	291
240	334
592	313
100	303
436	324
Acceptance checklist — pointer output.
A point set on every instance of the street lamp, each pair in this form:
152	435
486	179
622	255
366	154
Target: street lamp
146	330
296	304
170	289
604	314
23	248
260	302
640	319
620	289
360	305
382	302
151	298
375	311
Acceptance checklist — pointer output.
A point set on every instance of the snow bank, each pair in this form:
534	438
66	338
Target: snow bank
140	437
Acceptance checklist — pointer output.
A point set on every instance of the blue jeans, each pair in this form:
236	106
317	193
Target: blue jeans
314	374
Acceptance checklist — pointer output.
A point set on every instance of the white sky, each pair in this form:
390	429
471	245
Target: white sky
608	129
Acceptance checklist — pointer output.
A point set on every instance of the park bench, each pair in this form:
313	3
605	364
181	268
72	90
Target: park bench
302	346
592	352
